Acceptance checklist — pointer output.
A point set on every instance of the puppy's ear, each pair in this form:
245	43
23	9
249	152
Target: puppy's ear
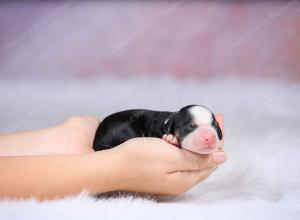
170	124
216	125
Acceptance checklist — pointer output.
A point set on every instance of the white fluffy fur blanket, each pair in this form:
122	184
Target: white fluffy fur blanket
261	179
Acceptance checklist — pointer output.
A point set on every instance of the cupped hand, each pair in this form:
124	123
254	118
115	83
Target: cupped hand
152	165
149	165
80	132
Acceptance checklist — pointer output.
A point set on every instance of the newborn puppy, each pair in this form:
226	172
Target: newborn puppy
193	128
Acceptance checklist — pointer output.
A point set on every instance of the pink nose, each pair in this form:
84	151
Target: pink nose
209	138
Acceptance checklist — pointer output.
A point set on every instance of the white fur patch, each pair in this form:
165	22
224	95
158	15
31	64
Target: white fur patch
201	115
188	144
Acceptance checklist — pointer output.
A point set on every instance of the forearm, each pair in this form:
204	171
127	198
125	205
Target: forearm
42	142
49	177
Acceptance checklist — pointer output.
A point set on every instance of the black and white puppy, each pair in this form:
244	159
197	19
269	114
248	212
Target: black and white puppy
193	128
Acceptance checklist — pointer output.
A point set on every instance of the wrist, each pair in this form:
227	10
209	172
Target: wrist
103	171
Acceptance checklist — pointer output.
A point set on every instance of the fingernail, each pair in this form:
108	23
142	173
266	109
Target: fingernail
219	157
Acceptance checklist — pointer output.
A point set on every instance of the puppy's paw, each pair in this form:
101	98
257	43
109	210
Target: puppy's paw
171	139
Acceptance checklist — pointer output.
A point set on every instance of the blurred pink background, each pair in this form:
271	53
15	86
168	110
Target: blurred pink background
59	59
178	38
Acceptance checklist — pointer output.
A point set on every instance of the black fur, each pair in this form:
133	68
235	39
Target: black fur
216	125
122	126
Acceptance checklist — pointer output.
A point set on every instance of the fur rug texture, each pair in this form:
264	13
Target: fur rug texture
260	180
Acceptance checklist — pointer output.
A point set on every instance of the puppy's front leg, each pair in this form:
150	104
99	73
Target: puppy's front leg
171	139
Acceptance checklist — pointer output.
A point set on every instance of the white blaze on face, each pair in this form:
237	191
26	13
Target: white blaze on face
201	115
204	139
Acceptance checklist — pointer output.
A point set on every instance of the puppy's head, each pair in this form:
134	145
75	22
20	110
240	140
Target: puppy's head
197	129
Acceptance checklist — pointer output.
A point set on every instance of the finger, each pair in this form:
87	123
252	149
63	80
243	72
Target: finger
186	160
220	120
199	176
188	179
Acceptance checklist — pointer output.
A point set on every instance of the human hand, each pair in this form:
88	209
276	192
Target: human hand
80	132
151	165
74	136
148	165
